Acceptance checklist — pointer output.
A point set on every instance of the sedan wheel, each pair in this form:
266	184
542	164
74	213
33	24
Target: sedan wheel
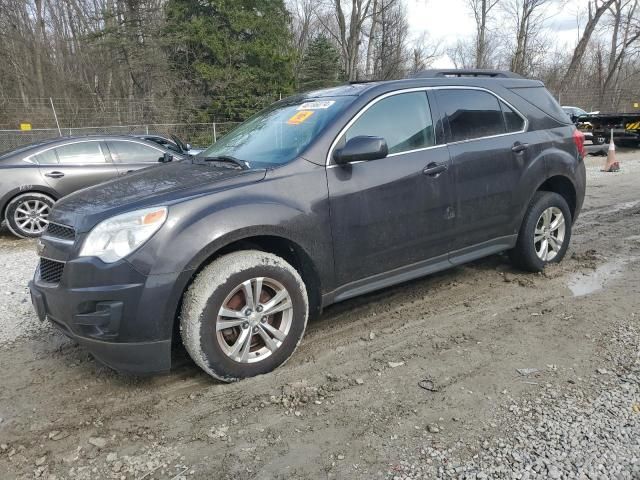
27	215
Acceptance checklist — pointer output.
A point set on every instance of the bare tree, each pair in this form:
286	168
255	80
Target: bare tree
527	16
596	9
349	23
462	54
391	52
303	28
372	33
424	52
625	32
481	10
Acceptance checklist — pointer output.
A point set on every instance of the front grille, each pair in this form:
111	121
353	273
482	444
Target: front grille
60	231
50	270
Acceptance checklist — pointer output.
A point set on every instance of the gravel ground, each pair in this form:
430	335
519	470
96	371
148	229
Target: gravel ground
586	429
16	311
479	372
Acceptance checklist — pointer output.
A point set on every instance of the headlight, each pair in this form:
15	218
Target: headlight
117	237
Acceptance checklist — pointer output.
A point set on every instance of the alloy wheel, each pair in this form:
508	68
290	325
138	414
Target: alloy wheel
549	234
254	320
31	216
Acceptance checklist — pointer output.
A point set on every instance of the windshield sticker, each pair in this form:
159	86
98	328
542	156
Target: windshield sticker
319	105
300	117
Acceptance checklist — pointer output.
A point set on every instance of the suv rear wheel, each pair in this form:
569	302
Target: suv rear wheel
244	315
26	215
545	232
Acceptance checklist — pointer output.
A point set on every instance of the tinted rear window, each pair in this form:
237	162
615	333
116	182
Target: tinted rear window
471	114
541	98
512	120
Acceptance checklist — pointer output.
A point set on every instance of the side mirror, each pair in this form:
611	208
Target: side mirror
166	158
360	149
188	145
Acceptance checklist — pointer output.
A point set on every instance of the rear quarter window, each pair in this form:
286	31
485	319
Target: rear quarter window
541	98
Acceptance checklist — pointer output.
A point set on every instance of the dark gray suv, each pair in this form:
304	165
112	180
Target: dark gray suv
319	198
33	177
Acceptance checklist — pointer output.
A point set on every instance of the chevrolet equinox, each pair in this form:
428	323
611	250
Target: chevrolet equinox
320	197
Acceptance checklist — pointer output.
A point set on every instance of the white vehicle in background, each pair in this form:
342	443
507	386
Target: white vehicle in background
585	127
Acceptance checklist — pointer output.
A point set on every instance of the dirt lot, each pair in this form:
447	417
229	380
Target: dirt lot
479	372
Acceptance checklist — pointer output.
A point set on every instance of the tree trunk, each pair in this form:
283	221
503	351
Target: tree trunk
578	53
372	32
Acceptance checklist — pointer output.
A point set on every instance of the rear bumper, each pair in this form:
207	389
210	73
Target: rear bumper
123	318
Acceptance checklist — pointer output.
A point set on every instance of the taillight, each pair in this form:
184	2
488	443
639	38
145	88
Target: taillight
578	137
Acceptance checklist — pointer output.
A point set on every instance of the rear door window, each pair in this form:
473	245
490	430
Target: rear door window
403	120
471	114
513	121
48	157
80	153
133	152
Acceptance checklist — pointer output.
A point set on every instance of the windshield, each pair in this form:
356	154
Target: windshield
279	133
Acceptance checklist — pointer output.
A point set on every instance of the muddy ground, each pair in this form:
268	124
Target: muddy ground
352	402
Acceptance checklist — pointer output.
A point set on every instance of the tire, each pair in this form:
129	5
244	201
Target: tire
528	253
599	140
26	215
219	285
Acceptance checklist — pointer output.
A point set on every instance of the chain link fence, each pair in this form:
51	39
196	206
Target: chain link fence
197	134
50	118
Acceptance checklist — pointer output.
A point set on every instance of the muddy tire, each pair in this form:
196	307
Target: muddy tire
26	215
545	233
244	315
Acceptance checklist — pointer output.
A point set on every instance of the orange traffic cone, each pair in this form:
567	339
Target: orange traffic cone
612	164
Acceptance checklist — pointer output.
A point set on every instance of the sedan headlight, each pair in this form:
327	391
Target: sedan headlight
117	237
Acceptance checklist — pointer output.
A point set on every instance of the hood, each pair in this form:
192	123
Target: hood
159	185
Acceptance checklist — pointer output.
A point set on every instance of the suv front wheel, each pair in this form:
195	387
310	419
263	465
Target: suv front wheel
244	315
545	232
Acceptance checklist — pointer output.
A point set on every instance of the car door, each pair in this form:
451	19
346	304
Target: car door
75	165
488	156
392	212
132	155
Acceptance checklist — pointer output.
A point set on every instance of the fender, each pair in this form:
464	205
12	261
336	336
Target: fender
549	163
201	227
534	170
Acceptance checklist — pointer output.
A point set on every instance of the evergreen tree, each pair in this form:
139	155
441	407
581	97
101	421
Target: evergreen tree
236	54
320	65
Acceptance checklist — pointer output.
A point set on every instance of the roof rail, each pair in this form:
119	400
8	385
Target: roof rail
465	73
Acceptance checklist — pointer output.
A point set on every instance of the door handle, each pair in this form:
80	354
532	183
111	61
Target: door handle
519	147
434	169
54	174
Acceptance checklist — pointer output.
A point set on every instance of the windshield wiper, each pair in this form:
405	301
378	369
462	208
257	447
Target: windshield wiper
225	159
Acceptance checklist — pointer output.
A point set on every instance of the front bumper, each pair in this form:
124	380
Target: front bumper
125	319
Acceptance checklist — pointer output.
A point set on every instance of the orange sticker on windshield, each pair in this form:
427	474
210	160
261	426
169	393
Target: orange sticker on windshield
300	117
